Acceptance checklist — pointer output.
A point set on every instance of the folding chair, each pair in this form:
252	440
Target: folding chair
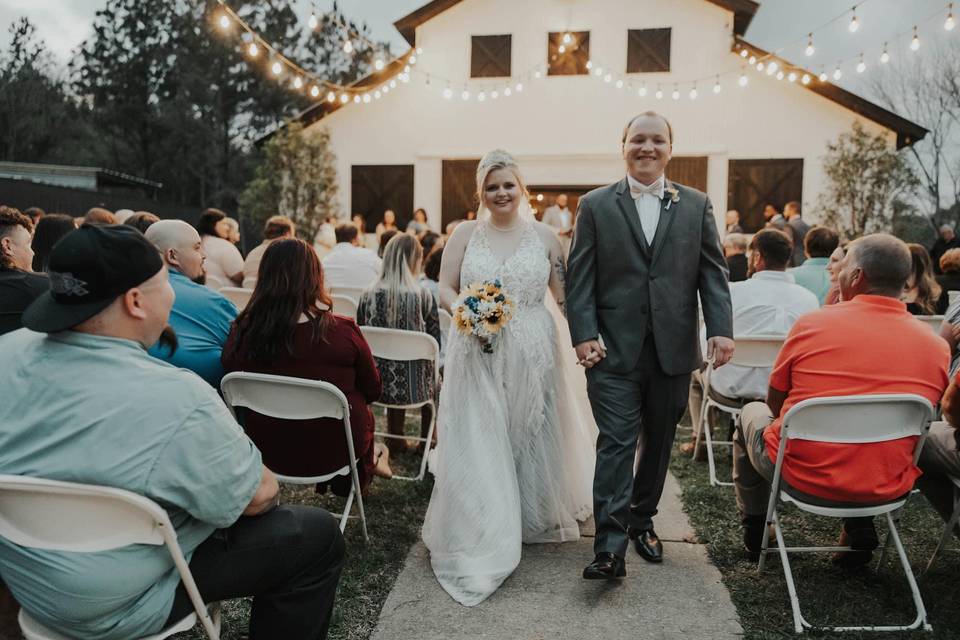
445	321
848	420
299	399
749	351
951	524
80	518
344	305
404	346
237	296
933	322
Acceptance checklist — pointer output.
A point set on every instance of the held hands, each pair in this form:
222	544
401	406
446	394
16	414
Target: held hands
589	353
719	349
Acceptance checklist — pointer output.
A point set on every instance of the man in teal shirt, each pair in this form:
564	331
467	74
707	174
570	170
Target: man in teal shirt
86	403
818	244
200	316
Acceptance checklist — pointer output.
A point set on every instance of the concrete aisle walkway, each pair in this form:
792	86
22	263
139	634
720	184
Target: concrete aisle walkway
546	598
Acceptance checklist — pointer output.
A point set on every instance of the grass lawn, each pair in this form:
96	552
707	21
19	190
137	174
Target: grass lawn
395	511
828	595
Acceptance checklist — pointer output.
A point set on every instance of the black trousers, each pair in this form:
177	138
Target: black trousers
637	409
289	559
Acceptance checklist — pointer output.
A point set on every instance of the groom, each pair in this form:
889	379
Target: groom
642	250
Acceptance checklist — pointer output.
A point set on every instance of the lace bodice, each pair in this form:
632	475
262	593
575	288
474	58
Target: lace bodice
524	274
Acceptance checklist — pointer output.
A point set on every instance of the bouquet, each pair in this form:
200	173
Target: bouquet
482	311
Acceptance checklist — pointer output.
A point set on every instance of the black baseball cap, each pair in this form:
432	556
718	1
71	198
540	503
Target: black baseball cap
89	268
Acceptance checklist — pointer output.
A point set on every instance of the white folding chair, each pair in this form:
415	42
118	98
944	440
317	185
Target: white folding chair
344	305
299	399
404	346
237	296
445	321
933	322
848	420
749	351
951	524
351	292
80	518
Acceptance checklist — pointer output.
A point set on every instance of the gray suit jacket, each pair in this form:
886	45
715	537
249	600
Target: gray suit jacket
622	289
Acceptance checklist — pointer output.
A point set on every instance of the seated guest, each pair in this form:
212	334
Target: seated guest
428	240
103	412
922	293
733	222
419	223
48	232
350	265
386	237
868	344
325	238
231	231
35	214
735	250
950	268
287	330
833	270
946	240
768	303
798	230
19	286
389	223
276	227
812	275
200	318
224	262
99	215
940	457
141	220
430	277
397	301
122	215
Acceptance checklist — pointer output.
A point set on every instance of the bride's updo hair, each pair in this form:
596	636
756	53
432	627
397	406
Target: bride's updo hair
494	160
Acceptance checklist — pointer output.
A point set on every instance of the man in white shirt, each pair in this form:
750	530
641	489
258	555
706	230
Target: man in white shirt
767	303
560	218
350	265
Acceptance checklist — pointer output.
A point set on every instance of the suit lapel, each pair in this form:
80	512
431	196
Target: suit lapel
629	210
666	222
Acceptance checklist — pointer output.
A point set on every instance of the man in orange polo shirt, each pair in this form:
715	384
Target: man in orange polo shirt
868	344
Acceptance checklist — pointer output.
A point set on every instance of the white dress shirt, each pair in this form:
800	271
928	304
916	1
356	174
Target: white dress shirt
350	266
648	206
766	304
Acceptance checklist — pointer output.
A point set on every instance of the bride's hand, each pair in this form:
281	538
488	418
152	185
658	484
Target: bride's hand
589	353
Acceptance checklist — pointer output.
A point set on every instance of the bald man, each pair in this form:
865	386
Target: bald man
200	317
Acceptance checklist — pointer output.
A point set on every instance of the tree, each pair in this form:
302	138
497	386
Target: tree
864	178
297	177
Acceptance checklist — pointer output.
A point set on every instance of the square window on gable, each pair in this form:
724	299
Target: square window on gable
568	53
648	50
490	56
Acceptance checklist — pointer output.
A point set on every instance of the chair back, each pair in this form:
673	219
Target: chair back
858	419
237	295
445	321
933	322
344	305
402	345
756	351
352	292
284	396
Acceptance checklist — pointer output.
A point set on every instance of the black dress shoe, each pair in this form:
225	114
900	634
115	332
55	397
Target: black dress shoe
648	545
605	566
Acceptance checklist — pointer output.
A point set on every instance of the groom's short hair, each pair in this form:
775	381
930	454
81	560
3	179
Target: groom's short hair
651	114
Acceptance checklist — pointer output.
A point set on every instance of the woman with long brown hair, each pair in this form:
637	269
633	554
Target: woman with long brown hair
922	293
288	329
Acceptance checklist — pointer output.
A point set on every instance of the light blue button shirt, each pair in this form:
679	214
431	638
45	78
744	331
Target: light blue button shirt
813	276
98	410
201	319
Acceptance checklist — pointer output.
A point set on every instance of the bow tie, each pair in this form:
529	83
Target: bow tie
655	189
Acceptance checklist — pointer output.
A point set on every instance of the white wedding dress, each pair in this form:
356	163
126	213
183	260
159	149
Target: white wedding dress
514	461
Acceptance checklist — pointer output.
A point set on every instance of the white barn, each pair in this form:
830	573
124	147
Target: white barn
417	145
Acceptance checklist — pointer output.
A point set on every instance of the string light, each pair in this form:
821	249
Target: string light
805	79
589	64
676	93
562	49
366	98
716	86
744	53
378	64
224	22
861	66
823	76
567	38
481	96
854	22
298	83
344	98
377	94
419	51
412	60
693	93
276	68
253	50
744	80
809	51
792	77
759	66
915	42
837	74
607	78
494	94
465	95
642	91
752	60
780	75
508	92
356	99
348	46
659	94
949	23
331	96
519	87
315	91
619	84
884	57
312	22
448	93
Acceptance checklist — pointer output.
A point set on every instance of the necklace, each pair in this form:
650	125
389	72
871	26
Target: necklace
505	229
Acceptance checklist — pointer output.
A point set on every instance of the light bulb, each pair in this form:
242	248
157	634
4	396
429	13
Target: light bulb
805	79
331	96
448	93
494	94
378	64
676	94
772	67
508	92
884	57
854	23
224	22
861	66
567	38
419	51
538	74
949	24
385	88
823	76
693	93
752	60
393	84
744	53
744	80
348	47
619	84
315	91
837	74
562	49
377	94
915	42
792	77
366	98
759	66
589	64
780	75
607	78
519	87
298	83
465	95
659	94
276	68
716	87
344	98
642	91
253	50
481	96
356	99
406	69
809	51
312	22
598	71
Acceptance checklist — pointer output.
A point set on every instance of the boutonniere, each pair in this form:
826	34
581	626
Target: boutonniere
674	196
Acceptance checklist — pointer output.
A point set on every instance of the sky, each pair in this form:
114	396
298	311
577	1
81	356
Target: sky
780	25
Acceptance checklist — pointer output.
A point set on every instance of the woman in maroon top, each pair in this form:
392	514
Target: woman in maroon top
286	329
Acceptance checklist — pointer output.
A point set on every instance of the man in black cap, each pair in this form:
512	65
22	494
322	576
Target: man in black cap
90	405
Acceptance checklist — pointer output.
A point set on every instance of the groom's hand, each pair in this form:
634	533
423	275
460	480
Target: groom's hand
590	353
719	349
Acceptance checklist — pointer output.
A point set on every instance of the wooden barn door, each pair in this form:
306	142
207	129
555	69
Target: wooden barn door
376	188
459	189
689	170
754	184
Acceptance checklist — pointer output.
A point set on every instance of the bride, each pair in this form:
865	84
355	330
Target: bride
515	464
